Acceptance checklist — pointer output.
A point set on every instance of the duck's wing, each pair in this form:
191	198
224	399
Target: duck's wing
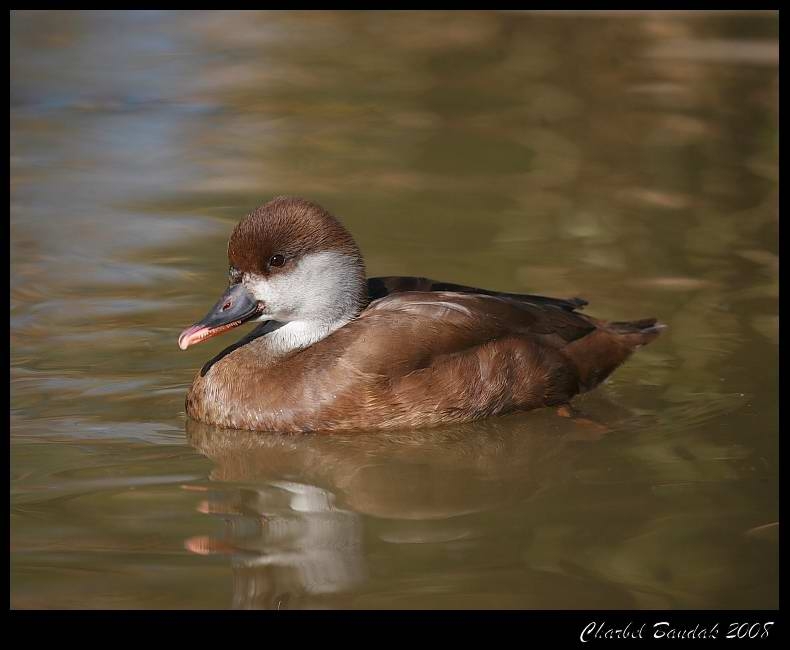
387	285
451	322
418	358
410	329
488	316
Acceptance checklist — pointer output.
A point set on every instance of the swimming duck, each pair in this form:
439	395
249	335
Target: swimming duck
336	351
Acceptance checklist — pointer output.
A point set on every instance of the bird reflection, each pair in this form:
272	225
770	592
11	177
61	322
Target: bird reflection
288	541
299	509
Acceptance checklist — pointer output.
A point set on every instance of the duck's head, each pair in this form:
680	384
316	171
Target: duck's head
291	262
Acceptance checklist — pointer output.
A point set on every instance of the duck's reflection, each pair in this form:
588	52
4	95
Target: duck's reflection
296	530
288	542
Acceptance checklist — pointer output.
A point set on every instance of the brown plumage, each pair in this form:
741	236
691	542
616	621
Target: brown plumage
415	353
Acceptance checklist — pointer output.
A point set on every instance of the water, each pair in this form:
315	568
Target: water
627	158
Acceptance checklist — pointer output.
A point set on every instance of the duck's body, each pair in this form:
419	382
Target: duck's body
401	352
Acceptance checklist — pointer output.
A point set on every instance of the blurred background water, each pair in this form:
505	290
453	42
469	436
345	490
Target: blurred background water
629	158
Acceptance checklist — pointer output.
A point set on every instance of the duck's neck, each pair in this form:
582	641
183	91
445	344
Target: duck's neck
298	335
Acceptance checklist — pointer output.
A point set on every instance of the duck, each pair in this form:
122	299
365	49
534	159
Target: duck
335	351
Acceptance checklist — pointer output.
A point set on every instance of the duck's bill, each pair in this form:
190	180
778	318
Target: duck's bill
236	306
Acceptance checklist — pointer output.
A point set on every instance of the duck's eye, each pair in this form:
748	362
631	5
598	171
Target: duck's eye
234	275
277	260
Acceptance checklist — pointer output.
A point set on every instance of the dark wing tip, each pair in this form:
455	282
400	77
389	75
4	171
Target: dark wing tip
644	325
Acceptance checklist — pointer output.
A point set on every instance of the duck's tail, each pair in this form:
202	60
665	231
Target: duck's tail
636	333
599	353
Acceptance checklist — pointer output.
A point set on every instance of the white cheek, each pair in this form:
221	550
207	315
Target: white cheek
258	287
276	293
320	287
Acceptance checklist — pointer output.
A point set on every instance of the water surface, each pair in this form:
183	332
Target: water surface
630	159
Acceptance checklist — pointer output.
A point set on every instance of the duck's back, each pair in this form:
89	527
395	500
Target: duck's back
415	358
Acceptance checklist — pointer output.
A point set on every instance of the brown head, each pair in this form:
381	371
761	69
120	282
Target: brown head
291	262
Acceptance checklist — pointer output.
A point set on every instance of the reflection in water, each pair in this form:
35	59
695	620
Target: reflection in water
291	540
429	518
287	541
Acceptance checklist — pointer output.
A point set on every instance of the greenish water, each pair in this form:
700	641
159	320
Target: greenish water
631	159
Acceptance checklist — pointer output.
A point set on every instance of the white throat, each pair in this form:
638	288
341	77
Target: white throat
298	335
